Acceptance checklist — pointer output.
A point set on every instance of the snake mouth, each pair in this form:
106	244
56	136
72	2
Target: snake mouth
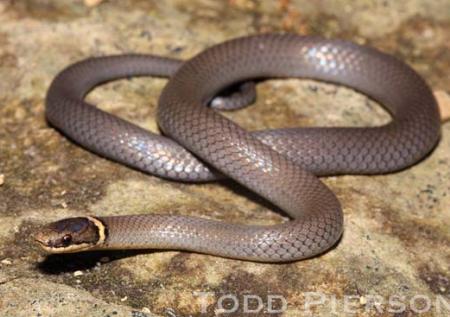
41	240
45	243
47	246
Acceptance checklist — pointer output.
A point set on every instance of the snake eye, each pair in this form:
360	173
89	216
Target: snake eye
67	239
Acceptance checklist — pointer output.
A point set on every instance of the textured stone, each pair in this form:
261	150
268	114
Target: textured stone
396	239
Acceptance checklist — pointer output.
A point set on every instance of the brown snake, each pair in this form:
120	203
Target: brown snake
279	165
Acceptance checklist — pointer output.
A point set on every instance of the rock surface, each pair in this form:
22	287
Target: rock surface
397	237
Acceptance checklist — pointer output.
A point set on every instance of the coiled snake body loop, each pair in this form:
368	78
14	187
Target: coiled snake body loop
279	165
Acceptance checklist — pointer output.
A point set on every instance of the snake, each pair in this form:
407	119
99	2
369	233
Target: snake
200	144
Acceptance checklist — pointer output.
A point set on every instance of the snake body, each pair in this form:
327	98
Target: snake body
279	165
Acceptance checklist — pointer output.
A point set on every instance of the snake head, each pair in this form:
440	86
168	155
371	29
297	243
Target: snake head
71	235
